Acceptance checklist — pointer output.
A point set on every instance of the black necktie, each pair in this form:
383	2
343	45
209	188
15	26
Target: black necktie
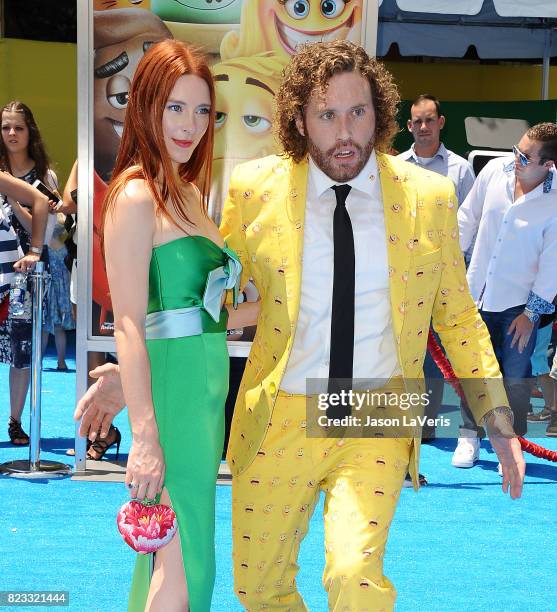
342	317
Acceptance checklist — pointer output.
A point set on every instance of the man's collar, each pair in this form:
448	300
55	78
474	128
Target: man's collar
509	166
362	182
549	182
441	152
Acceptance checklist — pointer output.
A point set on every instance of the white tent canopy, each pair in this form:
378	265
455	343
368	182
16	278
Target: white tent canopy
497	29
504	8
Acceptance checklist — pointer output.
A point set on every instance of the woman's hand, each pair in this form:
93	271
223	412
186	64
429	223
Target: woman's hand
54	207
26	263
146	469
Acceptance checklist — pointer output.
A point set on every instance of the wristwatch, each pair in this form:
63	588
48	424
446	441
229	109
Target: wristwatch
35	250
532	316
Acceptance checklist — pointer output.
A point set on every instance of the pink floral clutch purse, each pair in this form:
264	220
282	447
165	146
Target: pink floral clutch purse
145	526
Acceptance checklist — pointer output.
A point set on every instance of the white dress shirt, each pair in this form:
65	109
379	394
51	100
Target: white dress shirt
375	353
447	163
516	246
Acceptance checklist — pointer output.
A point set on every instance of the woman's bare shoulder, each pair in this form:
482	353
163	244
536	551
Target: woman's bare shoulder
135	193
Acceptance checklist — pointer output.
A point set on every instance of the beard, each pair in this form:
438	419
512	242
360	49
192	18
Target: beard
333	167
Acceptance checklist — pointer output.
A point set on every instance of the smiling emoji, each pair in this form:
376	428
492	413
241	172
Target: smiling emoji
282	25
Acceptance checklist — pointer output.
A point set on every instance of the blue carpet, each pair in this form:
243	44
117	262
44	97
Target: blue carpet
459	545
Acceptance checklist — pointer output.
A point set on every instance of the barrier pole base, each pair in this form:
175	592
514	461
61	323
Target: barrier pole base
46	469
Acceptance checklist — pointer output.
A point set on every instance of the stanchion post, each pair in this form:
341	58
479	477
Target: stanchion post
34	467
38	278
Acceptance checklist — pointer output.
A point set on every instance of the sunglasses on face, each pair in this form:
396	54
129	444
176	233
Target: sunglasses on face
523	159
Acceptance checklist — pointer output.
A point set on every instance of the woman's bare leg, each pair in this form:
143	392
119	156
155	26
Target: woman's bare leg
19	385
169	590
60	341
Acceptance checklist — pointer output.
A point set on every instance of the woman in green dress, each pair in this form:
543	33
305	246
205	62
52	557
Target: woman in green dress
168	270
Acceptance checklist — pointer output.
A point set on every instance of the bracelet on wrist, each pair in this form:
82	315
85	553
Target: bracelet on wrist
500	410
531	315
35	250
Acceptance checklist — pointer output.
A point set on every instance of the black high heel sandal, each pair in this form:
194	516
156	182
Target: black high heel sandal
101	445
15	431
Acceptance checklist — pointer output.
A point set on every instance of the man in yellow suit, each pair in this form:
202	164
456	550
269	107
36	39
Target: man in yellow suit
353	253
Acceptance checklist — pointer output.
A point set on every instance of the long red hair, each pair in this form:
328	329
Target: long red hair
142	153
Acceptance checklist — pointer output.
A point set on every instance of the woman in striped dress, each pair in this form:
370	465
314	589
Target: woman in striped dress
22	154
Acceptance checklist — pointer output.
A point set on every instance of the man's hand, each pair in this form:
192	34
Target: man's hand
507	446
522	328
102	402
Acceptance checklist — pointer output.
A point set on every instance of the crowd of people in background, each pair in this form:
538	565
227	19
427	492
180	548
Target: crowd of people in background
508	234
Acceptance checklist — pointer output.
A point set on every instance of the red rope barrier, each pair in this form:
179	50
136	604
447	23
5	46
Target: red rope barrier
449	375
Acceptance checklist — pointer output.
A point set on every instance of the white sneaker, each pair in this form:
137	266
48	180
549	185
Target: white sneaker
466	453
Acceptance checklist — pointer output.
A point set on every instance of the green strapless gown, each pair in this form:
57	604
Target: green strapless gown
189	382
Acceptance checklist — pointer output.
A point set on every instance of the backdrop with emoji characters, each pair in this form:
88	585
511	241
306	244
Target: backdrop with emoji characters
248	42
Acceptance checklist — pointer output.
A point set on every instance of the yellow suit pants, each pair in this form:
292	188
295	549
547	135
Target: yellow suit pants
273	501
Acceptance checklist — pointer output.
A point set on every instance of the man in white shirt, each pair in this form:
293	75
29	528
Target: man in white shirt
512	211
425	124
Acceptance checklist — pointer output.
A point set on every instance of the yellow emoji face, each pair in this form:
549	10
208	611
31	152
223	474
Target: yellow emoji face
245	91
298	21
244	112
281	25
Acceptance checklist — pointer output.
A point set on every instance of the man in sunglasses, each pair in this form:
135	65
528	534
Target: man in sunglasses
512	274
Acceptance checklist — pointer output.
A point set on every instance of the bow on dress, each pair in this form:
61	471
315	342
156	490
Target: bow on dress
219	280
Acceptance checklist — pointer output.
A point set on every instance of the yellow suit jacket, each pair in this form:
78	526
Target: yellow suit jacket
263	221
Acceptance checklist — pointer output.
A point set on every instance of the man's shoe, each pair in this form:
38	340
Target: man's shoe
408	481
467	452
538	417
551	430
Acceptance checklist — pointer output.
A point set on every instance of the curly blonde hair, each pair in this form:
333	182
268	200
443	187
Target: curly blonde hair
309	72
546	133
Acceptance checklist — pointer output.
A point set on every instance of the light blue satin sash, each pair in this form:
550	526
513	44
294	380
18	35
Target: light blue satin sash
173	323
182	322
